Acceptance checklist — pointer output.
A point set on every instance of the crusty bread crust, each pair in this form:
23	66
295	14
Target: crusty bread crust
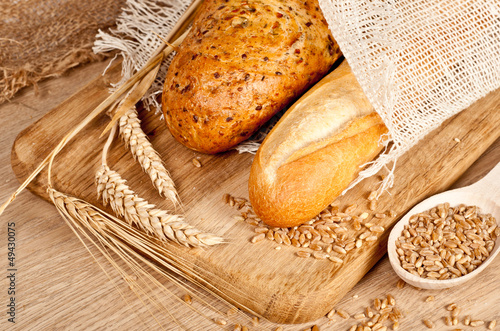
296	173
240	64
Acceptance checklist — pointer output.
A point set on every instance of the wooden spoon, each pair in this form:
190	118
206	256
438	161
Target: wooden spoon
484	194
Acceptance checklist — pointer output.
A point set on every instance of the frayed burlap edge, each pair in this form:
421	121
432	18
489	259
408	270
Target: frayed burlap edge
13	80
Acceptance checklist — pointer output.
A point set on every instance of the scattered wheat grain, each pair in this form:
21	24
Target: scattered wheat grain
342	313
476	323
303	254
451	306
261	229
372	196
196	163
336	259
383	317
455	312
369	312
318	255
220	321
377	229
331	314
350	209
428	324
277	238
364	216
390	300
386	310
257	238
339	249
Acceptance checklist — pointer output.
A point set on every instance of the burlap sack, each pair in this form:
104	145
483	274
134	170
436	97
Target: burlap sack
44	38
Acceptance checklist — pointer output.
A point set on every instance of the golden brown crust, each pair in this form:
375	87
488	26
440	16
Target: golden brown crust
314	151
242	62
309	184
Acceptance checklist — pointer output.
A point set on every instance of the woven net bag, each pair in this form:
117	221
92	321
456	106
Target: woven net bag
419	62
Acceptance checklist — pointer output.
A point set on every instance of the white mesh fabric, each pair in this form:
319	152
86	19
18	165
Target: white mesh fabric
135	37
419	62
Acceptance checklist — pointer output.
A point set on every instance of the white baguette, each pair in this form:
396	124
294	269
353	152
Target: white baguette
314	151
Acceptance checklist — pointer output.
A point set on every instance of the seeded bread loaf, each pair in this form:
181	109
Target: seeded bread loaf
242	62
314	151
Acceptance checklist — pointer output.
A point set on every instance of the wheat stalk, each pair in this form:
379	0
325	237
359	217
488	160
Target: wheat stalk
126	203
137	249
112	235
108	233
117	95
151	65
142	150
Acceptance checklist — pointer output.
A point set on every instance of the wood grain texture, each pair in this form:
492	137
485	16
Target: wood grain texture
219	220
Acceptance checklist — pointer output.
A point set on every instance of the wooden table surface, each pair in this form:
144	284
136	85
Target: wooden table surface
70	291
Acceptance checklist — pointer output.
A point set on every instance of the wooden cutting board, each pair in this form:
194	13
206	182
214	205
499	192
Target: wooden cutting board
276	284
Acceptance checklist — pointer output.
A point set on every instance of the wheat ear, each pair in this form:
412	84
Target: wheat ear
126	203
138	250
142	150
152	64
